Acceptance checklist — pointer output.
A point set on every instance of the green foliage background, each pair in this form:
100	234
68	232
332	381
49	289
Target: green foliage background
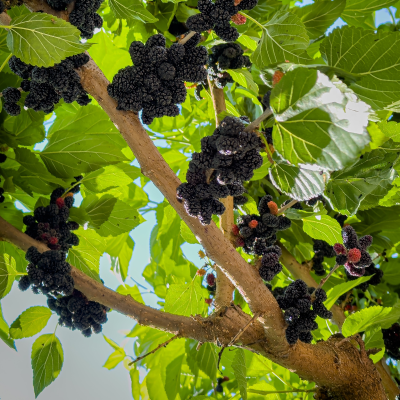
336	132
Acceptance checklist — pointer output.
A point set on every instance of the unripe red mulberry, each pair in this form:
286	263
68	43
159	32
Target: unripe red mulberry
235	229
238	19
339	248
354	255
208	301
273	207
53	240
239	242
210	278
278	75
201	272
60	202
253	224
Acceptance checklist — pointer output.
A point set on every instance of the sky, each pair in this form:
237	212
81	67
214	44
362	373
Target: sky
83	376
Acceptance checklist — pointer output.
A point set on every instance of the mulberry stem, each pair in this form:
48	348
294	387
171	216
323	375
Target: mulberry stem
328	276
256	123
285	207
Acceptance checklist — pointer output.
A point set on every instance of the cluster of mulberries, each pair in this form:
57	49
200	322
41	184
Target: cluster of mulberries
46	86
48	272
217	16
77	312
375	273
225	56
353	255
50	224
228	158
7	4
321	249
83	16
155	84
257	235
302	305
391	338
220	381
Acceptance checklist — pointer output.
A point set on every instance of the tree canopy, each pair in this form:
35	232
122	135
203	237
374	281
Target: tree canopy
274	140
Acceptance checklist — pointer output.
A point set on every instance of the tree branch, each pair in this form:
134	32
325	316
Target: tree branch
256	123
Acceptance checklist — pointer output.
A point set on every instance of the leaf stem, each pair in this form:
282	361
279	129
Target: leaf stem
5	26
253	125
288	205
251	19
266	392
5	62
392	16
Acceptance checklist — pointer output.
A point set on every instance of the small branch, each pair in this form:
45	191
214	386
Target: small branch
323	280
256	123
165	344
187	37
267	392
285	207
242	330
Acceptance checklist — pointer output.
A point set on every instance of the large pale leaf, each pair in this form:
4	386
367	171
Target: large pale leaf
300	183
244	78
207	359
121	247
319	16
69	153
384	317
323	227
47	360
98	209
129	10
43	40
373	61
239	368
30	322
284	37
186	299
316	123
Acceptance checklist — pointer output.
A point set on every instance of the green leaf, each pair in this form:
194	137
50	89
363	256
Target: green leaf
30	322
135	385
4	332
11	214
132	291
123	218
240	370
86	256
111	176
338	290
371	58
383	317
131	10
172	377
244	78
47	360
318	17
284	37
116	357
261	172
68	154
98	209
391	271
314	118
299	183
155	386
186	299
187	234
121	247
43	40
374	338
207	360
323	227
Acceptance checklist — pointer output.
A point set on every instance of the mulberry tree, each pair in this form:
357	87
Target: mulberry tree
262	139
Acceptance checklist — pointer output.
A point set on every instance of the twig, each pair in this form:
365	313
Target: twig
187	37
177	336
242	330
288	205
256	123
323	280
266	392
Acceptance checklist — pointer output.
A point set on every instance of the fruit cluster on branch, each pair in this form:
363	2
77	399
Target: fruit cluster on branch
46	86
217	16
155	84
228	158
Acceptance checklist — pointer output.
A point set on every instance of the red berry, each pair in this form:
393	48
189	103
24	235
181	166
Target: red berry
60	202
235	229
226	378
348	307
201	272
354	255
208	301
210	278
253	223
239	242
278	75
238	19
339	248
273	207
53	240
45	236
